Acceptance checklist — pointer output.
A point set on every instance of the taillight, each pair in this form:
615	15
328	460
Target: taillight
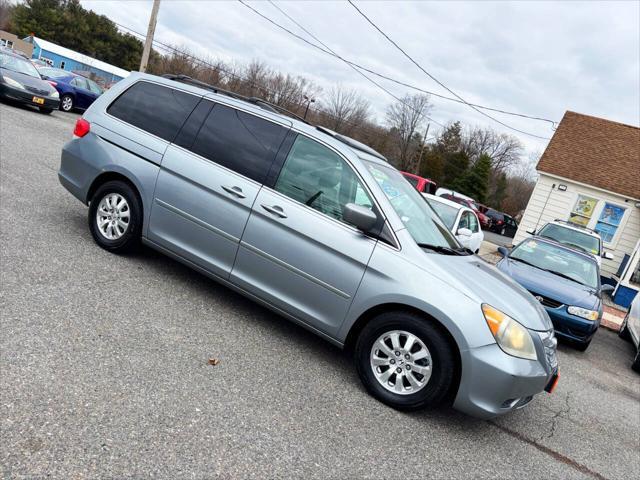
82	128
52	83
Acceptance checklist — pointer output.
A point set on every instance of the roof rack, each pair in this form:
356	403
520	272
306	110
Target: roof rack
567	222
264	104
351	142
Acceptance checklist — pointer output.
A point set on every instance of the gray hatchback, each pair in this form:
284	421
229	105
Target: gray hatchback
315	226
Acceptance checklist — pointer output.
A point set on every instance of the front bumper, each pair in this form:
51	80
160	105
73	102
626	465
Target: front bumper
571	327
494	383
26	97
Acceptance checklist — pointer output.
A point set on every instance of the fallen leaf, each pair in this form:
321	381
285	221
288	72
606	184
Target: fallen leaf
213	361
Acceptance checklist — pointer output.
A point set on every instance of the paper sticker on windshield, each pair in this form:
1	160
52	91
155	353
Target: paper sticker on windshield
529	247
390	191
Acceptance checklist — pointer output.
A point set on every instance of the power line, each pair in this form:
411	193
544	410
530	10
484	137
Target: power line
348	63
331	52
435	79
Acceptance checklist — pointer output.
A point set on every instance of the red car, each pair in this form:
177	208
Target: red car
485	221
421	184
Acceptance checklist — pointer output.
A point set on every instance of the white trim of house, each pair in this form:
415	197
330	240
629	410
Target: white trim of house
610	192
547	204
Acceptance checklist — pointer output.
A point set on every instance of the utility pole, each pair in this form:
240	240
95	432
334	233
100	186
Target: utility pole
424	142
150	32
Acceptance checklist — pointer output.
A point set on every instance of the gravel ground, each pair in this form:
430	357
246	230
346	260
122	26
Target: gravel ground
104	370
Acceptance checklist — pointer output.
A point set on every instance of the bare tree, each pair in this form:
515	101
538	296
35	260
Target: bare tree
6	8
404	118
503	149
345	110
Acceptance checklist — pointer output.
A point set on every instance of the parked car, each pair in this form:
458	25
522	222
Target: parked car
21	82
76	92
574	236
316	226
460	220
39	63
501	223
485	221
564	280
423	185
630	330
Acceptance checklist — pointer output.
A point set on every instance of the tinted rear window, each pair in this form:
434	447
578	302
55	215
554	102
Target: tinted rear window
413	181
239	141
154	108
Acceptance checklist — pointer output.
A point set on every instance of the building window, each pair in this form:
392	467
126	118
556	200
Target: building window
3	42
583	210
609	221
62	65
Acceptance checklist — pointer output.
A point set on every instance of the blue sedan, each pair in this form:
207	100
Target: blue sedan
565	281
76	91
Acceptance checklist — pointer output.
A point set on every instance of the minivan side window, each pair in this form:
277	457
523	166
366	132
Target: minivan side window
242	142
319	178
154	108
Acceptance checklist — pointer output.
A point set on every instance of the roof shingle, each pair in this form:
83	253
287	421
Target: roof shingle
596	152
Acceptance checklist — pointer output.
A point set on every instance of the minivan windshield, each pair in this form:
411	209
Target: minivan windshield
555	259
571	238
447	213
419	218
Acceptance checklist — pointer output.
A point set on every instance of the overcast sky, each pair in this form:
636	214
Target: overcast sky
538	58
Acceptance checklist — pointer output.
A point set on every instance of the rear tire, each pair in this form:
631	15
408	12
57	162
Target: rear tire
46	110
115	217
581	347
431	353
623	333
66	103
635	366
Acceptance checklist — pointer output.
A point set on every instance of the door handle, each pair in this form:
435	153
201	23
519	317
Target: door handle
276	210
237	191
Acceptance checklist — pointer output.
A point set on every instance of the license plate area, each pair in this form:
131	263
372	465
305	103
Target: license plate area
38	100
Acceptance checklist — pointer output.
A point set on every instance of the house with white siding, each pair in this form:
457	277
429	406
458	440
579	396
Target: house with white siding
589	175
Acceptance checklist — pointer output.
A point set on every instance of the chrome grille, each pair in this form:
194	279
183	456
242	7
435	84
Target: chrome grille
546	301
550	344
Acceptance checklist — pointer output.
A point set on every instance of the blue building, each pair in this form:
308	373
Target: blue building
66	59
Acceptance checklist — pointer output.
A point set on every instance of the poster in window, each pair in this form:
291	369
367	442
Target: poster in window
609	221
585	206
579	220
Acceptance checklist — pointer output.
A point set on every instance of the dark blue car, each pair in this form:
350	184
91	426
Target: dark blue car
565	281
76	91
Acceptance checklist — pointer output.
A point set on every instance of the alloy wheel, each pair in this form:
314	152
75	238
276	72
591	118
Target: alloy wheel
112	216
401	362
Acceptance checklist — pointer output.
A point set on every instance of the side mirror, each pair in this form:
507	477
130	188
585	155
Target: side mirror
531	232
465	232
608	255
503	251
607	288
360	217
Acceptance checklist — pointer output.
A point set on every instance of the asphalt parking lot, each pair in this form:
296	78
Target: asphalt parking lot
104	370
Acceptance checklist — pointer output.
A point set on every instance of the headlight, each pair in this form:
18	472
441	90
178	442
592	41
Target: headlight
54	94
13	83
510	336
583	312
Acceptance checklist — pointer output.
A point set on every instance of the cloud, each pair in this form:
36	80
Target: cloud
539	58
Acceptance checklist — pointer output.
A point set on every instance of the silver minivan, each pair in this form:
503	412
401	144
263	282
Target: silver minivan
319	228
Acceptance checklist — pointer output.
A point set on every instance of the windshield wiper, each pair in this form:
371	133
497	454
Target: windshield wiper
560	274
444	250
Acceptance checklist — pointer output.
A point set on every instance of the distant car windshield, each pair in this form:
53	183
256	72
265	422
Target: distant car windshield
54	72
447	213
18	64
571	237
557	260
421	220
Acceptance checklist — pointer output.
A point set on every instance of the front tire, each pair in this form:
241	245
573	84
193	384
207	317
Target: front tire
635	366
405	361
623	333
582	347
115	217
66	103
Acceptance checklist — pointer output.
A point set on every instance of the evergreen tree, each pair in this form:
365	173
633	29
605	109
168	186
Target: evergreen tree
500	191
476	181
